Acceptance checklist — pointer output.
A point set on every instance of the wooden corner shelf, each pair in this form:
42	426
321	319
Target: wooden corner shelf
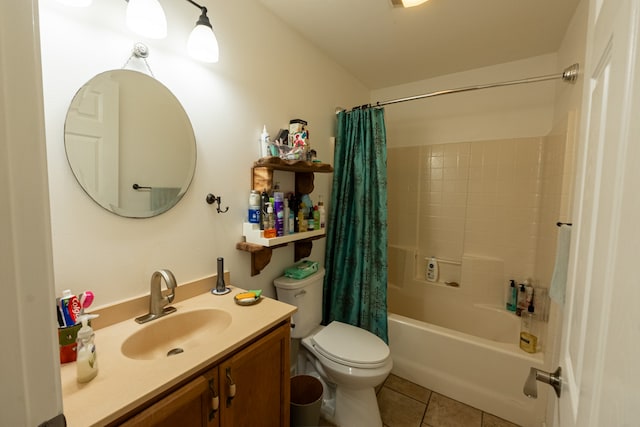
262	179
261	255
262	173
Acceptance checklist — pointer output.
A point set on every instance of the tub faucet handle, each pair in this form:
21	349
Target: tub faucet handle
554	379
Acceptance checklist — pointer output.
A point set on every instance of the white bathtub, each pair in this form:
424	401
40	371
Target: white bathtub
482	366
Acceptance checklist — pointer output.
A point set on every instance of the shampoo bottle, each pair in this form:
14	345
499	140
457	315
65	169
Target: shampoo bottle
529	331
512	296
86	361
264	201
278	211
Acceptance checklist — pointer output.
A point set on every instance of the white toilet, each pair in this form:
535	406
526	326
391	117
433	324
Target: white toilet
349	361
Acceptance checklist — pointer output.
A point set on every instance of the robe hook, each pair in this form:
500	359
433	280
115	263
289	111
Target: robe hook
211	199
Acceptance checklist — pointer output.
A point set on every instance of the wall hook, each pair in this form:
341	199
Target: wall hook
211	199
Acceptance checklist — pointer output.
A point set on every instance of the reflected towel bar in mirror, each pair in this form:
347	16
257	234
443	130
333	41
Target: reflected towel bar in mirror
140	187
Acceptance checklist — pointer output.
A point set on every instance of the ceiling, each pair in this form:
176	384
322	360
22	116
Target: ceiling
385	46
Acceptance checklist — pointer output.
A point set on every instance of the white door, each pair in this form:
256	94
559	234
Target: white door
92	140
600	349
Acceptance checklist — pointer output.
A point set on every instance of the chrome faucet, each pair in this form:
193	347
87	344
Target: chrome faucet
157	301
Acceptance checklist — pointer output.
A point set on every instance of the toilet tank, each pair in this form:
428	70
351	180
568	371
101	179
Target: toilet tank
306	294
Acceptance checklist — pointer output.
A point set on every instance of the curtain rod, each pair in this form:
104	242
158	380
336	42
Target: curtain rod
570	75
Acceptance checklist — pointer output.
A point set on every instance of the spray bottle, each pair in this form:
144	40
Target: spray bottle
264	142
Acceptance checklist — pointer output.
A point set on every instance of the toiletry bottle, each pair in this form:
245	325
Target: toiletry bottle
322	212
311	223
316	217
528	296
254	207
264	200
278	211
291	221
264	142
86	361
302	222
432	269
521	300
512	296
293	206
286	216
529	331
270	226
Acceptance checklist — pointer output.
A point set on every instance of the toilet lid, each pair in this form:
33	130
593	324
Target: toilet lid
351	346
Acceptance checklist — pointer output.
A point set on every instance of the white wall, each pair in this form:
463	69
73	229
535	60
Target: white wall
266	75
497	113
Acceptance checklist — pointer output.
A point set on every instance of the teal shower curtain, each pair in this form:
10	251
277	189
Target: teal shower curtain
355	284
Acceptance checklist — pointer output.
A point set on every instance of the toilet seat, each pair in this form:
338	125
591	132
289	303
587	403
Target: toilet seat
351	346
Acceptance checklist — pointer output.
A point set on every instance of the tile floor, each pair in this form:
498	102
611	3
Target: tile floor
405	404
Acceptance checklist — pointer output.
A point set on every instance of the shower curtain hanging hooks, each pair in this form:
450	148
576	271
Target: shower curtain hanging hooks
569	75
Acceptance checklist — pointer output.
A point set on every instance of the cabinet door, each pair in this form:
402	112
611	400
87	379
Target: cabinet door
254	383
189	406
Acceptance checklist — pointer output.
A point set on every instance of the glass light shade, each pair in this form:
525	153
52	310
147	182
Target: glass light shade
76	3
202	44
147	18
411	3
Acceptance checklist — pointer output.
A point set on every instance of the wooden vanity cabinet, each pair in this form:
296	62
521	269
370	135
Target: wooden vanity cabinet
249	388
190	405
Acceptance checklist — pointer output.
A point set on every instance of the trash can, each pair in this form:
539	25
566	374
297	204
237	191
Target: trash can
306	399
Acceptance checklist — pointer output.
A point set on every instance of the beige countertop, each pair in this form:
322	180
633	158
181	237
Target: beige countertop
122	384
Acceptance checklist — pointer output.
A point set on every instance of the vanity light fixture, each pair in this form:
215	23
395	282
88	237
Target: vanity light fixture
146	18
407	3
202	44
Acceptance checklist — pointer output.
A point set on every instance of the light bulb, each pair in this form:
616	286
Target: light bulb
202	44
147	18
412	3
76	3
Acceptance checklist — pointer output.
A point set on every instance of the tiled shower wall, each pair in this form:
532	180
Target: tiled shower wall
473	198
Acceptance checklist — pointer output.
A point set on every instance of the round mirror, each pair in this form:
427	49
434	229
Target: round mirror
130	144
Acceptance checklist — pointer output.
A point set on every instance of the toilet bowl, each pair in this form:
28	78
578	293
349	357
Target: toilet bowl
349	361
354	361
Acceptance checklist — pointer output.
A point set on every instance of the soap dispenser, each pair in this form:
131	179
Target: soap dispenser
529	331
86	361
432	269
